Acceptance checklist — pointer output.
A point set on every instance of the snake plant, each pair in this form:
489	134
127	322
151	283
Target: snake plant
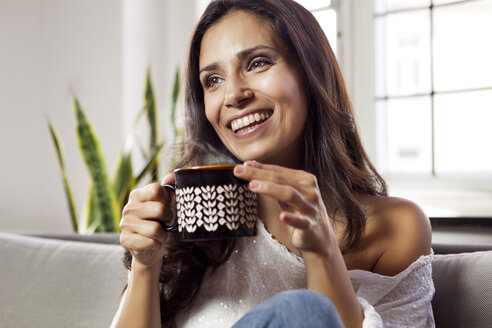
106	197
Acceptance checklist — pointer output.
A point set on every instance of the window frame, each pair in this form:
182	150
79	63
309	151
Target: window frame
470	194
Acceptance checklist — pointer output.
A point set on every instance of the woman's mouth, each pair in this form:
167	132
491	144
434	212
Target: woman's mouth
248	122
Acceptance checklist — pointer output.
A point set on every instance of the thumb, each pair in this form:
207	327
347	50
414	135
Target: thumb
169	179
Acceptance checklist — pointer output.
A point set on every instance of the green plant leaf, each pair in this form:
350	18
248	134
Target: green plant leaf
142	149
174	102
66	185
151	109
151	163
123	180
93	214
104	196
177	134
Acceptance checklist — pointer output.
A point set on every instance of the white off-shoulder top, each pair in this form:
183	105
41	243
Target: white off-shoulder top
260	267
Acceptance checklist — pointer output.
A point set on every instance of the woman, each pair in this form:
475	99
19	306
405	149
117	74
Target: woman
263	87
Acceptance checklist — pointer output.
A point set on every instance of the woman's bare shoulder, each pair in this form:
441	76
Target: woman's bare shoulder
403	232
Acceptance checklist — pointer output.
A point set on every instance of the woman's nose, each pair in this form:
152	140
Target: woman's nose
237	92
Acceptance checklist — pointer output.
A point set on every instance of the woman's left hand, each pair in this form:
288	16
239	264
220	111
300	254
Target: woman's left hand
311	232
299	196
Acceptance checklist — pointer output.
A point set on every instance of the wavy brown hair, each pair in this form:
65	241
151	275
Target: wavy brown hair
333	150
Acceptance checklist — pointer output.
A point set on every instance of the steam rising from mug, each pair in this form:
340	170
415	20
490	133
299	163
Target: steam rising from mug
209	154
213	157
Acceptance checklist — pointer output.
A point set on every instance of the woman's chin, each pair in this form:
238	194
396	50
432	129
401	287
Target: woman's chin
243	157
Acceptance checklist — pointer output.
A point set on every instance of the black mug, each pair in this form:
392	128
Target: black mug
213	204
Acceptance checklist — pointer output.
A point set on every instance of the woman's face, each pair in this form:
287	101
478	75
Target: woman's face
254	93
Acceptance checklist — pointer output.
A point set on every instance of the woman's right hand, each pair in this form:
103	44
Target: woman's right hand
141	231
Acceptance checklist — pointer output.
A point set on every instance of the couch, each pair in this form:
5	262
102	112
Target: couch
49	282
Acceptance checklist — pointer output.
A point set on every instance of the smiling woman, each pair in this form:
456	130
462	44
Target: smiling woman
263	87
249	72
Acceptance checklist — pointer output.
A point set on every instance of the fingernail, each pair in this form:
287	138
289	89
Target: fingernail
238	169
254	185
253	164
165	178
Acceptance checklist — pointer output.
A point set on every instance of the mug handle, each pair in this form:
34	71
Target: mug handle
174	226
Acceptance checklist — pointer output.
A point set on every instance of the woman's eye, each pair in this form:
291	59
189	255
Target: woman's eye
258	62
211	81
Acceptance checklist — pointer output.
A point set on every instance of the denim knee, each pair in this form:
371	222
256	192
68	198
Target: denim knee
310	306
296	308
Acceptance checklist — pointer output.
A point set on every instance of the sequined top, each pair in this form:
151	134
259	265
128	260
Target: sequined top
260	267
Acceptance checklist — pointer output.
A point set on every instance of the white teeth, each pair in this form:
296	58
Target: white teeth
244	122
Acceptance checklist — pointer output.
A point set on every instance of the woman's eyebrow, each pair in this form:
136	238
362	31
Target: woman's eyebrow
246	52
210	67
241	55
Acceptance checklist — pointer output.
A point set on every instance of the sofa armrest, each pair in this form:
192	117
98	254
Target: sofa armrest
459	248
99	238
55	283
463	285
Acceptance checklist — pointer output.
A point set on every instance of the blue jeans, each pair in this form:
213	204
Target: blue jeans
294	309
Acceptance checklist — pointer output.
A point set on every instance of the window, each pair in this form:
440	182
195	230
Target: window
434	86
433	102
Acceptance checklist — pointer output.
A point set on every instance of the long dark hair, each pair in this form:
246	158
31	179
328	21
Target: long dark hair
333	150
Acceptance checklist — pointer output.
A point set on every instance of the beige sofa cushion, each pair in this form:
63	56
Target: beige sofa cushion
52	283
463	290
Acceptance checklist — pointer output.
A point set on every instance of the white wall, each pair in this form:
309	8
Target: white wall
51	49
356	58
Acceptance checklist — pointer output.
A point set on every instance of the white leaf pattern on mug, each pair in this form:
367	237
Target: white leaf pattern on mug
231	210
210	219
232	225
227	205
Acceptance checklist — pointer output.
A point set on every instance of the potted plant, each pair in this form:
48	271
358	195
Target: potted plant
107	196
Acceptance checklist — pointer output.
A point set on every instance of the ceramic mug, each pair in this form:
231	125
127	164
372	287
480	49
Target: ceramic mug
211	204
